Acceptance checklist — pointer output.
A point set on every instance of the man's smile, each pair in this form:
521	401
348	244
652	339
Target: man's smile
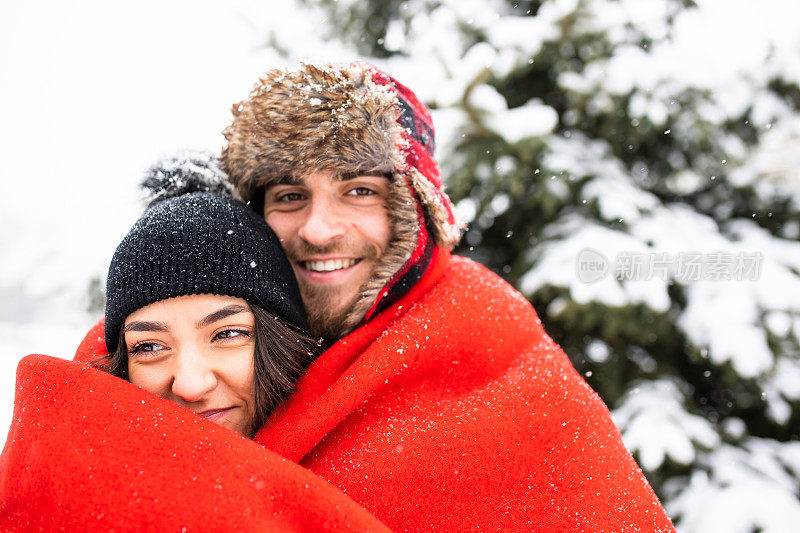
332	271
328	265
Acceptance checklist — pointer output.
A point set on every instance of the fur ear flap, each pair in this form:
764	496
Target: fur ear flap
184	173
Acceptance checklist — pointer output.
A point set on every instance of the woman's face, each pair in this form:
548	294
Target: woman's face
196	351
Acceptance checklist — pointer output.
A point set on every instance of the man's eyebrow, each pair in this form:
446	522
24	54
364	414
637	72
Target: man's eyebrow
283	180
219	314
143	325
344	176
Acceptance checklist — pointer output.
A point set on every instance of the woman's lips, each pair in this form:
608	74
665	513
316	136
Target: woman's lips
214	414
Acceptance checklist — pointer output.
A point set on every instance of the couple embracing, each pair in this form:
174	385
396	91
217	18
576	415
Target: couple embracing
289	345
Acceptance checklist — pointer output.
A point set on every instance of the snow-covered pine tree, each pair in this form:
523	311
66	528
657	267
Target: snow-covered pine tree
646	138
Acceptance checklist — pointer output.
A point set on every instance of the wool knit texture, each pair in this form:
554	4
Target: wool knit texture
200	243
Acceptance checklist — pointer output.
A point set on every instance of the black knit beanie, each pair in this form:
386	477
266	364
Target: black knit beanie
199	243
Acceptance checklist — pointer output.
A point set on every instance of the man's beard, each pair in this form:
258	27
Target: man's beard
325	309
326	315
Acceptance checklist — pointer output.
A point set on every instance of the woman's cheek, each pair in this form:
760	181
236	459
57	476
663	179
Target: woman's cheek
150	379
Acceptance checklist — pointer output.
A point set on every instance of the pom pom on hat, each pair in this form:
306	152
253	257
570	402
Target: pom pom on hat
183	173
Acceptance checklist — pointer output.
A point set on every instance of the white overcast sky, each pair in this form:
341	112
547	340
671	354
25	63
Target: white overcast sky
91	93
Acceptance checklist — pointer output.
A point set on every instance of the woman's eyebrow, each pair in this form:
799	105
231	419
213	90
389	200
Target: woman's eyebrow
219	314
142	325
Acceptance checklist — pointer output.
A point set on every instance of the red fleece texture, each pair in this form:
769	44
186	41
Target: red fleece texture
450	411
91	452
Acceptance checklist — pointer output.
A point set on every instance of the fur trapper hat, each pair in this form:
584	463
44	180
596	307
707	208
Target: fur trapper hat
348	118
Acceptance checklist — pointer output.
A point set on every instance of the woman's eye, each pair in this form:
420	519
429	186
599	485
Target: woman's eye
232	334
146	348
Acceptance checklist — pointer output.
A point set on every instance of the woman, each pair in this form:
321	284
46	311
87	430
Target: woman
202	309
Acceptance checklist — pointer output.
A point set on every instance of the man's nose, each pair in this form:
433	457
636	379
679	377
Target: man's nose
324	223
194	377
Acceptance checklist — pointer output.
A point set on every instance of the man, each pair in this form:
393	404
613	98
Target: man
338	177
441	404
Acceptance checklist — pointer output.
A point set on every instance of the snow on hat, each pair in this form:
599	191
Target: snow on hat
350	118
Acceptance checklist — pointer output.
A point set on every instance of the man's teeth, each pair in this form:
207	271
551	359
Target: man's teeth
330	265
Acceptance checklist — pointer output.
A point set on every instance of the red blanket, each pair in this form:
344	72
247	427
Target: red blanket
451	411
90	452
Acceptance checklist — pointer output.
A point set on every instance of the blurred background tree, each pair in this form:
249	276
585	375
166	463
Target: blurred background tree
573	132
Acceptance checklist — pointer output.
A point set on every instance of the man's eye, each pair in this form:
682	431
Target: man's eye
360	191
290	197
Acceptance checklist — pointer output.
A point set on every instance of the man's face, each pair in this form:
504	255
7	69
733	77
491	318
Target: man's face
333	229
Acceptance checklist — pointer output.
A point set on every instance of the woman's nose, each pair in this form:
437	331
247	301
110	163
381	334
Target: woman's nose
194	378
